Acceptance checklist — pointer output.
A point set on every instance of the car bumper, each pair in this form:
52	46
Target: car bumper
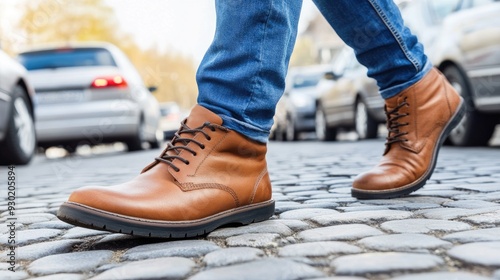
92	121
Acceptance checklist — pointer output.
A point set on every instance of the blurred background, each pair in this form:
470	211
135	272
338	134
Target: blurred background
327	97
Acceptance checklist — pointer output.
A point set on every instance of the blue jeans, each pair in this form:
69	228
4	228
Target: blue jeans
242	76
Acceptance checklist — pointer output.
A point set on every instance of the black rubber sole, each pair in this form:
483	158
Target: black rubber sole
88	217
405	190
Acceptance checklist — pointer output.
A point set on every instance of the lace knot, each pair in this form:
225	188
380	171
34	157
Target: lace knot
180	143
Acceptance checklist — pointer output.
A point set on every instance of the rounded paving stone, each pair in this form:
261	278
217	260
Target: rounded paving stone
403	242
441	276
51	224
30	235
479	235
317	249
262	240
183	248
9	275
61	276
70	262
35	218
78	232
161	268
483	253
306	213
230	256
295	225
340	232
486	218
384	263
269	226
271	268
424	226
39	250
362	217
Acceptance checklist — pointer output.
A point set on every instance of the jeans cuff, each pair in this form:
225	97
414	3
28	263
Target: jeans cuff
395	90
246	129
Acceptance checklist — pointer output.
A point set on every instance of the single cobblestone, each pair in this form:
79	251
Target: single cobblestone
479	235
30	235
9	275
270	226
182	248
442	276
424	226
339	232
483	253
471	204
317	249
39	250
260	240
295	225
452	213
361	217
78	232
303	214
271	268
161	268
35	218
55	224
70	262
403	242
384	263
61	276
229	256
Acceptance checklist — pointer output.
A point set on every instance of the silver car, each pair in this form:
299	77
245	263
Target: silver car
17	132
90	94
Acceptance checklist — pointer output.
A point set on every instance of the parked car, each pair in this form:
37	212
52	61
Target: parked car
171	118
348	99
466	48
17	130
90	93
295	112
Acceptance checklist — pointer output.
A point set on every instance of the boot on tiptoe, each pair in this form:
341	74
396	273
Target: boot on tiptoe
208	176
419	119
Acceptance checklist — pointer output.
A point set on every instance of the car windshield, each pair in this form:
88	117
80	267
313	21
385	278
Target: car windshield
302	81
58	58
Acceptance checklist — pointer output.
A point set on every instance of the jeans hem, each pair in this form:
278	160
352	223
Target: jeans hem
395	90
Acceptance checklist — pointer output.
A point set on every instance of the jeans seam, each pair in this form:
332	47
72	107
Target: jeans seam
395	34
257	81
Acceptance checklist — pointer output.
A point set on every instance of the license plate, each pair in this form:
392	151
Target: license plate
66	96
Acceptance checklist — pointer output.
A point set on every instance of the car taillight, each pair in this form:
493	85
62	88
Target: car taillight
105	82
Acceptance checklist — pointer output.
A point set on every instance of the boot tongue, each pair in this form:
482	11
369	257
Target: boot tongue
200	115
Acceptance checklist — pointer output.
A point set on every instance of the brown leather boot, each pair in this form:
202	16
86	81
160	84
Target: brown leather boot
419	119
207	176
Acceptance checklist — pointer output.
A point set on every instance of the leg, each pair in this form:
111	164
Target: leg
214	170
421	106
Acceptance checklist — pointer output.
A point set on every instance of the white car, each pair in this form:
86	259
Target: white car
17	132
90	94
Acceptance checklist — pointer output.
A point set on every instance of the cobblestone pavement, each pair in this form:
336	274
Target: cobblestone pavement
448	230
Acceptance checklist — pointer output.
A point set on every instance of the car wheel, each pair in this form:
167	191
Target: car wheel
291	133
135	143
19	144
366	127
323	132
476	128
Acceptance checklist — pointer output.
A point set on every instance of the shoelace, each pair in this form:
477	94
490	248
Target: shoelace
393	125
185	141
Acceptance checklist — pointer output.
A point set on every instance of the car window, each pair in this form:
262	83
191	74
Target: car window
301	81
59	58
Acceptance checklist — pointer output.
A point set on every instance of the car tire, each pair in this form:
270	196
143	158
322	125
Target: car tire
19	144
291	133
135	142
476	128
365	125
323	131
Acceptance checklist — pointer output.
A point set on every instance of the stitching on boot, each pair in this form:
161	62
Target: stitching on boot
192	187
257	183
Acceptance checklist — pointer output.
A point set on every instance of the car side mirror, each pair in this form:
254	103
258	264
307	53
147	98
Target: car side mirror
330	76
152	89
